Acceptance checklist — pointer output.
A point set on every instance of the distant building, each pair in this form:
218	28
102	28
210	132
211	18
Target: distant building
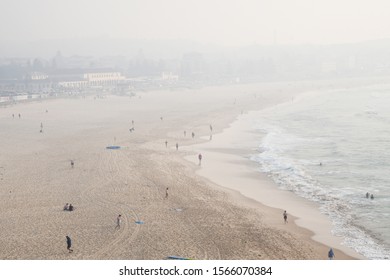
103	78
37	76
169	76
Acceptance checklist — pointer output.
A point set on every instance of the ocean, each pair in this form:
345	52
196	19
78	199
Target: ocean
332	147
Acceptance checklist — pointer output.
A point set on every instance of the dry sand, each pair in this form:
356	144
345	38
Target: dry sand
200	219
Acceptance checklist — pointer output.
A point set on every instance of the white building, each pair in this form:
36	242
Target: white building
103	78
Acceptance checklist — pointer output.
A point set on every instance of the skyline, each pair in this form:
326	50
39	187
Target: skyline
217	23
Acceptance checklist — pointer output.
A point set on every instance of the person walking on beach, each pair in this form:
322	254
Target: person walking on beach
166	143
331	254
193	135
166	193
118	221
71	163
200	159
185	133
177	146
69	244
285	216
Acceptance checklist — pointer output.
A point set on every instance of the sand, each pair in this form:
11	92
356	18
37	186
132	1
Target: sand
204	217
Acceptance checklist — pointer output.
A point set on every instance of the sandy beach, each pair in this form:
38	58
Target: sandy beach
222	209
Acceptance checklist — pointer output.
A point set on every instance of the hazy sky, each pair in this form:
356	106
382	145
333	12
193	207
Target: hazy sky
223	22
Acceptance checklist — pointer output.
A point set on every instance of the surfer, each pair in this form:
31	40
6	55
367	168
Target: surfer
372	196
367	195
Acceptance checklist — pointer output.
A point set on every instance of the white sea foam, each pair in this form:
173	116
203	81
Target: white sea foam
332	148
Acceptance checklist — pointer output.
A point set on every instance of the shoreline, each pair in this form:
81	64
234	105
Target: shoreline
230	151
207	220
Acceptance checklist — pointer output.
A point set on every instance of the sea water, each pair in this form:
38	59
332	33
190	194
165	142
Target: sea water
333	147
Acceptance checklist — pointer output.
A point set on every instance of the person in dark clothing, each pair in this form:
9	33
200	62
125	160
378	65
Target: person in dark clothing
331	254
69	244
285	216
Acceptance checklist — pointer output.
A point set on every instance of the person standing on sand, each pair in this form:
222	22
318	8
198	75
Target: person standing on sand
177	146
69	244
331	254
193	135
118	221
166	193
285	216
200	159
185	133
166	143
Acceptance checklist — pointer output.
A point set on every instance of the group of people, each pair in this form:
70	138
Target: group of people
68	207
368	195
185	133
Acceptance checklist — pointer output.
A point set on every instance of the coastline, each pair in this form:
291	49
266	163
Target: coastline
200	220
226	162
